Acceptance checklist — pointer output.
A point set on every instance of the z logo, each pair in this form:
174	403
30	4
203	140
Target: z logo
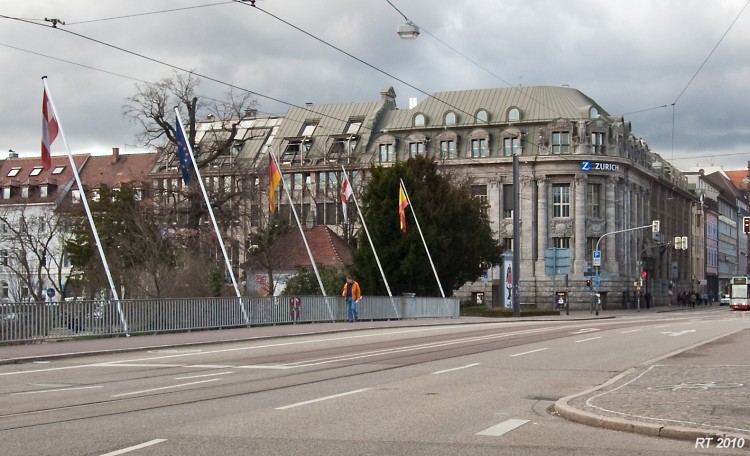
586	166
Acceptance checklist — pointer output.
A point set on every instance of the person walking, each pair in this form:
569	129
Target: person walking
352	294
648	300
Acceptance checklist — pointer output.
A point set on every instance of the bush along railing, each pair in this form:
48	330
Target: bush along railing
26	322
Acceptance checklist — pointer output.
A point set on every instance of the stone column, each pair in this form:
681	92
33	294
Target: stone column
542	219
579	227
526	236
612	208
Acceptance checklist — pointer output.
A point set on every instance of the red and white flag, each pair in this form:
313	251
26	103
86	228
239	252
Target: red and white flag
49	130
346	192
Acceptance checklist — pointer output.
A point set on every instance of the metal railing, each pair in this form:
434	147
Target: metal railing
28	322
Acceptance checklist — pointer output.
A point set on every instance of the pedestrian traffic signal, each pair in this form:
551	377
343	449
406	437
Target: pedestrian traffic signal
746	224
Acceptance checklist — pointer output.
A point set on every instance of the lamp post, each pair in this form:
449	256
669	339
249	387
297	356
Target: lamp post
408	31
516	247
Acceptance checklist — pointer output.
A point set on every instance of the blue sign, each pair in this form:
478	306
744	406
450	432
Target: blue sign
51	292
597	281
599	166
586	166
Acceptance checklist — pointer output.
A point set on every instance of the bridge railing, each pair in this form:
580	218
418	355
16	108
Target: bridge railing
28	322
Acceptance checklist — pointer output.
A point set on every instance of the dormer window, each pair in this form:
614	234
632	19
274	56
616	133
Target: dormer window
593	113
14	172
308	129
450	118
36	171
58	169
353	127
481	116
514	115
420	120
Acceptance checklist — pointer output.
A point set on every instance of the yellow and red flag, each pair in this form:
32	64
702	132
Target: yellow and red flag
275	178
402	203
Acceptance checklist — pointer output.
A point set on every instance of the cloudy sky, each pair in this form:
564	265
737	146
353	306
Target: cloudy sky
679	70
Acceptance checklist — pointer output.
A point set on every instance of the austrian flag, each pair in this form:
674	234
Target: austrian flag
49	130
346	193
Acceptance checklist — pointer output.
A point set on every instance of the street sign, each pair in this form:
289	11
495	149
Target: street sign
597	258
556	261
597	281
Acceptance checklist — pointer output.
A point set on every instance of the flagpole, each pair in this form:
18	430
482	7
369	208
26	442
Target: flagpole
369	238
422	236
88	210
302	232
211	214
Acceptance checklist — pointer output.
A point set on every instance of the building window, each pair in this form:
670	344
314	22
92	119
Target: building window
76	196
560	142
354	126
6	192
450	118
593	200
386	153
36	171
4	290
481	116
447	150
590	246
308	129
597	142
506	244
479	148
593	113
480	192
561	242
508	201
295	151
14	172
43	191
4	257
58	169
510	146
514	115
561	200
419	120
416	149
25	191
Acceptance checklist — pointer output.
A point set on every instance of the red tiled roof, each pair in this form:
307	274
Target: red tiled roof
117	169
27	171
328	249
738	178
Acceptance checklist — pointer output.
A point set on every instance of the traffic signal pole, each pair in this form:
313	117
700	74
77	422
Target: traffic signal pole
654	226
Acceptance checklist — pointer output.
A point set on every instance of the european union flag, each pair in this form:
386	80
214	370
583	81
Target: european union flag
183	153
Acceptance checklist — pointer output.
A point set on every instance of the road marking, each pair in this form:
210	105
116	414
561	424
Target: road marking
456	368
586	340
204	375
55	390
116	364
662	326
677	333
165	387
586	330
630	331
135	447
504	427
298	404
532	351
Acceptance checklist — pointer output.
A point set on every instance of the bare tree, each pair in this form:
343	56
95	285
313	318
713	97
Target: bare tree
32	255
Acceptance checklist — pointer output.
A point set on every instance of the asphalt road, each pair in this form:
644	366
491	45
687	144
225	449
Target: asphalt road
442	390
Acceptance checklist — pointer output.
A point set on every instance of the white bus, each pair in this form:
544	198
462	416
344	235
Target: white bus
738	299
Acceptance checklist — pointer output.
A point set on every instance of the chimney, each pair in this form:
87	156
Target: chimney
12	153
413	102
251	112
115	154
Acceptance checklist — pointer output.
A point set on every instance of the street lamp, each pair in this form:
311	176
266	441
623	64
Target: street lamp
408	31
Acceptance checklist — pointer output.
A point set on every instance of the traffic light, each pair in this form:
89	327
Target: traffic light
588	283
746	224
655	226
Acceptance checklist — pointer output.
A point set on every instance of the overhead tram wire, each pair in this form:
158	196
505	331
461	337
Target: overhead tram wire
150	13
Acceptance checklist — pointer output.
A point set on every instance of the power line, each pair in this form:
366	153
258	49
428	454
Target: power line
149	13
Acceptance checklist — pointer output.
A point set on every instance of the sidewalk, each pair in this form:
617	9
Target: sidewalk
656	399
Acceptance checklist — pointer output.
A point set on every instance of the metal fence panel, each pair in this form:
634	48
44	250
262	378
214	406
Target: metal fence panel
25	322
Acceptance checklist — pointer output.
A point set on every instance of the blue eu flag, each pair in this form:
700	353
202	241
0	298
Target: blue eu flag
183	153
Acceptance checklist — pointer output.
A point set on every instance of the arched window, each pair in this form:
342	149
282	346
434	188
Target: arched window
419	120
450	118
481	116
514	115
593	113
3	290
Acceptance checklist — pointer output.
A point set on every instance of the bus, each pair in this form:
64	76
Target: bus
738	294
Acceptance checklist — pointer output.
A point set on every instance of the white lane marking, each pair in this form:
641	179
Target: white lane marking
586	330
630	331
532	351
298	404
504	427
204	375
136	365
662	326
455	368
677	333
586	340
164	387
55	390
135	447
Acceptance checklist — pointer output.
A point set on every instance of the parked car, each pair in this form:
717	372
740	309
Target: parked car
724	301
